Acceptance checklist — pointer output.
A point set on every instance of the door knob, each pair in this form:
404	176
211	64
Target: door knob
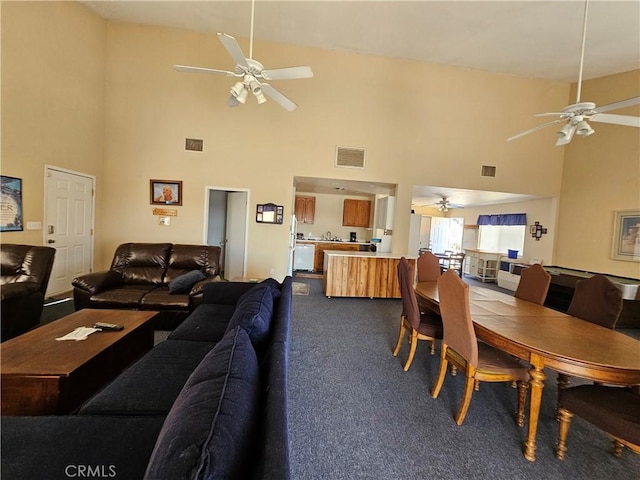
51	241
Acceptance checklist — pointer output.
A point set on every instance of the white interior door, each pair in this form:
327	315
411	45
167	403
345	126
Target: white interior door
68	226
236	231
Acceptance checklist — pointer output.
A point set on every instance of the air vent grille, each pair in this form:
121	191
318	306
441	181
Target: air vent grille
349	157
488	171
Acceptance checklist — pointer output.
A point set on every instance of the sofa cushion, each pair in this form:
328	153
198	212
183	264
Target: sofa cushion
151	385
207	323
161	299
211	428
66	446
183	283
253	313
126	296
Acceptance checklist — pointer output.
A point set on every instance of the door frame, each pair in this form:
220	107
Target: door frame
207	193
47	168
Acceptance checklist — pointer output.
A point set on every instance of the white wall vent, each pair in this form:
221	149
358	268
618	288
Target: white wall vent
349	157
488	171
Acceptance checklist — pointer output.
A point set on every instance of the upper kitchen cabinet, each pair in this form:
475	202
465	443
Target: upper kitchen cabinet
385	212
356	213
305	209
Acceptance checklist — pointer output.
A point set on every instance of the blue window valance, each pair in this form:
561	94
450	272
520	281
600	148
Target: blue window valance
504	219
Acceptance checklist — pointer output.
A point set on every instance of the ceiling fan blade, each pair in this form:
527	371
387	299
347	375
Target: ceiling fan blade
535	129
231	45
627	120
287	73
547	114
184	68
278	97
621	104
567	139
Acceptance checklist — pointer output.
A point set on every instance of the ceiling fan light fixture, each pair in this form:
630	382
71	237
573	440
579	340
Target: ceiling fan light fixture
565	131
584	129
240	92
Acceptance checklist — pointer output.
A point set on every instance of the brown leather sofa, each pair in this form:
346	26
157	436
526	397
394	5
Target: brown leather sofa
23	283
143	276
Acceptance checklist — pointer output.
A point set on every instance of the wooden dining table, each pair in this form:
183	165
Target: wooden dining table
546	338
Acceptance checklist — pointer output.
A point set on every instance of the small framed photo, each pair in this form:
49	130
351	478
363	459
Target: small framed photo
626	236
166	192
11	204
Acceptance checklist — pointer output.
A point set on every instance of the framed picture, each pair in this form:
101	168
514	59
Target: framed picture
269	213
166	192
11	204
626	236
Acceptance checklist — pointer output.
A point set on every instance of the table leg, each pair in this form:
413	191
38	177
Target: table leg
536	381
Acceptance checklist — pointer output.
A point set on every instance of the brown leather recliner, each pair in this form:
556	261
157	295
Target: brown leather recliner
143	276
23	283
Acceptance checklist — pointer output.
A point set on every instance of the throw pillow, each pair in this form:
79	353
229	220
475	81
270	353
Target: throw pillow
186	281
211	429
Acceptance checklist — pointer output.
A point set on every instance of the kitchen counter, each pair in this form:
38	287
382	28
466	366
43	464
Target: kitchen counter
333	241
340	253
361	274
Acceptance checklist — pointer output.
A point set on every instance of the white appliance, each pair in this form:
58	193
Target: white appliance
293	233
304	256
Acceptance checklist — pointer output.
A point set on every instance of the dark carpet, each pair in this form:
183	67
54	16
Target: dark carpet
355	414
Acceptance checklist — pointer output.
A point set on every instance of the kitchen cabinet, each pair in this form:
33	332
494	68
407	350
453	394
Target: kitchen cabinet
305	209
481	264
385	210
322	246
362	274
356	213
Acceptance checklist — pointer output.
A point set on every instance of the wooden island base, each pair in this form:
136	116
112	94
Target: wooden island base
361	274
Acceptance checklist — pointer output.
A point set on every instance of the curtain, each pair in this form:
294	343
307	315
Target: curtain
504	219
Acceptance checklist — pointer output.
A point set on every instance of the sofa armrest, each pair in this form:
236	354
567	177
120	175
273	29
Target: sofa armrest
225	293
18	289
98	281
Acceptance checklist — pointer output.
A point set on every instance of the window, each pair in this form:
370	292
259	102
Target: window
499	233
499	238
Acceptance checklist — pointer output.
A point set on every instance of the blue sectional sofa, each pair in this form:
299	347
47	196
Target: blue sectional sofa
208	402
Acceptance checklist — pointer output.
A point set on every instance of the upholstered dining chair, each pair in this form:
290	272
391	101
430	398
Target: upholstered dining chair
597	300
615	410
420	325
534	284
460	347
428	267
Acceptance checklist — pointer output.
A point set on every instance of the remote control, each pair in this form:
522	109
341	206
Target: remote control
107	326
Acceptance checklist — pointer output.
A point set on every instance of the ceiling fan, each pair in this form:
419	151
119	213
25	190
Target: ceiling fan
444	205
576	115
252	73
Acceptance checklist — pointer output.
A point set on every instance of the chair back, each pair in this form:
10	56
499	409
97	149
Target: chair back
409	301
428	267
456	316
534	284
597	300
26	263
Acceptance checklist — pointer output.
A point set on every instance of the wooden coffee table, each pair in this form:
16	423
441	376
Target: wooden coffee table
42	376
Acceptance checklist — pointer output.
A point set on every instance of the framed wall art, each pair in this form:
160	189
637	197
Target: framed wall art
166	192
626	235
269	213
11	204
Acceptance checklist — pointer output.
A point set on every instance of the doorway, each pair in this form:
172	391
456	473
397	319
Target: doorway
69	218
226	226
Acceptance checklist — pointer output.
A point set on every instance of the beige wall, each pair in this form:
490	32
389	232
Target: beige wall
53	91
439	132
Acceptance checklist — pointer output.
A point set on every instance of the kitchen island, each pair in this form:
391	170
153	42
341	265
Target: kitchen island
361	274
